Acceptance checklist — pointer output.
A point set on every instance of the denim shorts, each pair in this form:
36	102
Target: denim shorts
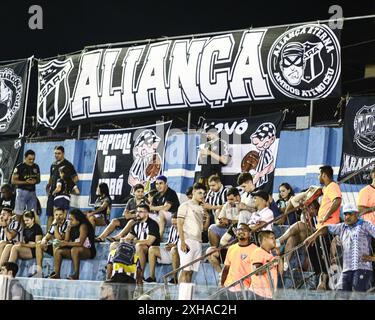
25	200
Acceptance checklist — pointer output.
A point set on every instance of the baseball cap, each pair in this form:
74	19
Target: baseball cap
162	178
348	208
262	194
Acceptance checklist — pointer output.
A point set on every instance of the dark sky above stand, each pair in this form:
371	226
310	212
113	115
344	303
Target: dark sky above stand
69	26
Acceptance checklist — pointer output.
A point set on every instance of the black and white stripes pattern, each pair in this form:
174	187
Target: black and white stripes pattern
173	235
217	198
16	226
62	228
141	229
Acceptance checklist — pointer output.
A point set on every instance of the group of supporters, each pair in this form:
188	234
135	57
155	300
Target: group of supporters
245	227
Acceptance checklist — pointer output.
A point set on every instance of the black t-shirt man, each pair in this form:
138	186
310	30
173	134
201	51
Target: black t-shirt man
211	166
142	229
169	196
25	172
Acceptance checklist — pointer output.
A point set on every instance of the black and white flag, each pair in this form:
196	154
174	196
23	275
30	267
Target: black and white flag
250	66
14	80
252	144
126	157
358	148
9	151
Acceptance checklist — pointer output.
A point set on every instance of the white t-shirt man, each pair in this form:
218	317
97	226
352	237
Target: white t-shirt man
193	214
264	215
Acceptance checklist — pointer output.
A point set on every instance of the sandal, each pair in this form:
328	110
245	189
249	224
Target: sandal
53	276
72	277
98	239
111	239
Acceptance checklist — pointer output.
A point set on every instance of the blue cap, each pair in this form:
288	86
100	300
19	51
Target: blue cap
162	178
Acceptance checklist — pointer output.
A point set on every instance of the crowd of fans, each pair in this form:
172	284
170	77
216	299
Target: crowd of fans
244	226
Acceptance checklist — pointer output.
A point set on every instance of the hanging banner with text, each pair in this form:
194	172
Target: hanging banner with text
9	150
252	144
275	64
13	90
125	157
358	148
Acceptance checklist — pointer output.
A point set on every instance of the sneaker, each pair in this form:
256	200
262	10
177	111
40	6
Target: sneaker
149	279
286	266
36	274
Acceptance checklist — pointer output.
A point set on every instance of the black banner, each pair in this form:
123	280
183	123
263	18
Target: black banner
275	64
253	145
9	150
358	148
13	90
125	157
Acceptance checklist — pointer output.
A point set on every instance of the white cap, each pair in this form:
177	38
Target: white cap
349	207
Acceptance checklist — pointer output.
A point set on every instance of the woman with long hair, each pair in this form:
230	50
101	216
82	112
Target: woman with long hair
285	193
102	207
78	244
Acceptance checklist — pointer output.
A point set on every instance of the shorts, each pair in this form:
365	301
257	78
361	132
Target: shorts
165	256
123	222
358	280
154	216
25	200
217	230
62	202
195	252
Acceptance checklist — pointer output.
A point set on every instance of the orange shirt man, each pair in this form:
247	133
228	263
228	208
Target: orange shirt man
262	285
329	211
237	262
366	199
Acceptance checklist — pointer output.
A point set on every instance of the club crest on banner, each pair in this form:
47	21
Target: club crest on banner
53	88
147	161
364	128
10	97
305	69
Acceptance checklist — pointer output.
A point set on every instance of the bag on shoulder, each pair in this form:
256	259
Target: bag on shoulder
124	254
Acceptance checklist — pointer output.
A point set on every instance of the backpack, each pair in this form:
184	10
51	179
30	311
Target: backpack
124	254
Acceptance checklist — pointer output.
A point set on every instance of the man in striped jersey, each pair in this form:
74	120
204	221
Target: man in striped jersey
56	232
10	232
144	234
215	198
167	254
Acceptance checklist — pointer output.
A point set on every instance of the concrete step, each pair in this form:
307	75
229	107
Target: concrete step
94	269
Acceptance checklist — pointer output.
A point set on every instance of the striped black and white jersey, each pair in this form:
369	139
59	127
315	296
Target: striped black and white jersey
265	159
173	235
141	230
62	228
217	198
16	226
